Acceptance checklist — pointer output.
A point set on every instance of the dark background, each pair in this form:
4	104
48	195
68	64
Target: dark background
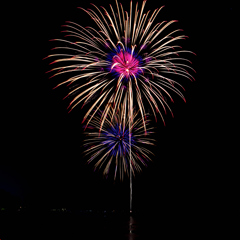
194	168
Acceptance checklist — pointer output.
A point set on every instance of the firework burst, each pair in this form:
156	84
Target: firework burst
110	148
127	59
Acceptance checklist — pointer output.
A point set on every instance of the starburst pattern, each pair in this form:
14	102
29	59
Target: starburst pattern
127	59
110	148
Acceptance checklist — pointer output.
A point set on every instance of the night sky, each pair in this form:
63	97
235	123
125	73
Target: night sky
193	167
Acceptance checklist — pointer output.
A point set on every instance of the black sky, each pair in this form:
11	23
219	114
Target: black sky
42	161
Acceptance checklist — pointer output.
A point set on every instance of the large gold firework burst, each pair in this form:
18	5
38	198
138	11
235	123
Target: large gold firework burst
128	59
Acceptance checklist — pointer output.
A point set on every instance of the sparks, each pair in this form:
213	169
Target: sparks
110	148
126	59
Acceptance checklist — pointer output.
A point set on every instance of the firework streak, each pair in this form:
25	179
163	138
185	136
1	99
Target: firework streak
128	59
110	148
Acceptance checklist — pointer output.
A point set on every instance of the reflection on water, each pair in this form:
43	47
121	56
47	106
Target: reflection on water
66	225
132	228
72	225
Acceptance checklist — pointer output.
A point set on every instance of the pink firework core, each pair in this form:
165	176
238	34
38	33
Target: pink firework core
125	64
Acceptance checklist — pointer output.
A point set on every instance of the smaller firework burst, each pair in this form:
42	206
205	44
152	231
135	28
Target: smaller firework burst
112	148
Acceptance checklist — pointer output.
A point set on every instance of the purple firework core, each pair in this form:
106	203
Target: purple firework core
125	63
117	139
